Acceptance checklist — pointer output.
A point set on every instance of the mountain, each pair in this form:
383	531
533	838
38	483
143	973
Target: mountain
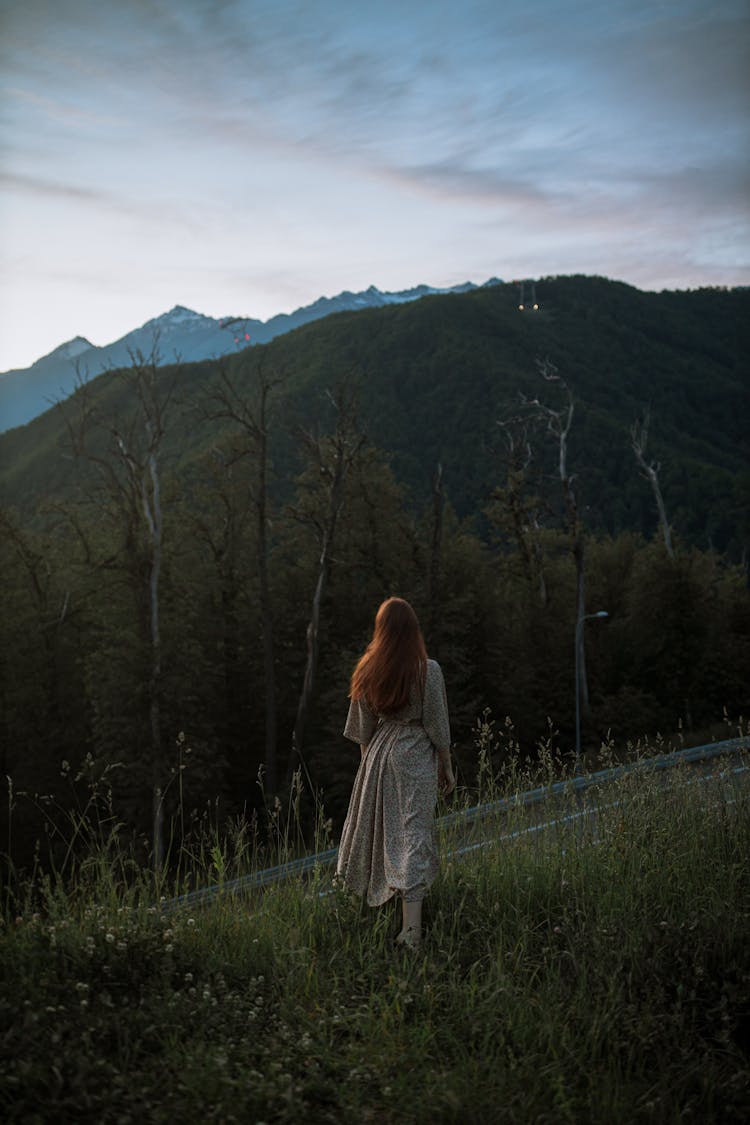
180	333
435	375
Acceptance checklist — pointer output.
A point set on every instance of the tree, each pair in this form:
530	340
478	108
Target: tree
333	456
251	417
129	473
558	424
434	584
514	508
650	470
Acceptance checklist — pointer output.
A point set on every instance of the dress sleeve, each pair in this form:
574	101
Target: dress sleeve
435	708
360	722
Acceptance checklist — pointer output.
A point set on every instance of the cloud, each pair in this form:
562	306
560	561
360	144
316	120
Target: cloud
59	110
96	202
54	189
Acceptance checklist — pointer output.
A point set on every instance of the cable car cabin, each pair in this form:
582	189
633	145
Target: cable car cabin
527	296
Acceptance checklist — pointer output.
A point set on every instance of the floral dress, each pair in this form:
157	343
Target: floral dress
388	841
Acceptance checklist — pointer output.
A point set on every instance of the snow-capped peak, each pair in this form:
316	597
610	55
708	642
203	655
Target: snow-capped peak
72	348
178	317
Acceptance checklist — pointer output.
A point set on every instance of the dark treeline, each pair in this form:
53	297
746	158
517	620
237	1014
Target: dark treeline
185	605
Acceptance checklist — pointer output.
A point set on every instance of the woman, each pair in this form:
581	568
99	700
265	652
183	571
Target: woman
399	716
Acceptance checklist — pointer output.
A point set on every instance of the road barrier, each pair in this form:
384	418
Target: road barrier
259	879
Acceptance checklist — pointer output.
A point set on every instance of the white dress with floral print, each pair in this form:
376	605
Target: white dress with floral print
388	841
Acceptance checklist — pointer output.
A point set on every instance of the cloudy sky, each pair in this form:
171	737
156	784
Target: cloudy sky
247	157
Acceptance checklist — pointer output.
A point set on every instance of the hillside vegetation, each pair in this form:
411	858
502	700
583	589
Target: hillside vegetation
192	556
435	376
595	974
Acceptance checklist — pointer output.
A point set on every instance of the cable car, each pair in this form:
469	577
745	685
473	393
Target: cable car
523	304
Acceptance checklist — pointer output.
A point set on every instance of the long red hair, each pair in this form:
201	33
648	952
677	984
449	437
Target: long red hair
394	659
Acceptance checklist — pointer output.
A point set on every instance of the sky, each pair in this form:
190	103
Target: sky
247	157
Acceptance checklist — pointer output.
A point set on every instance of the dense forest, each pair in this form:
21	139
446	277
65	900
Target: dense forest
193	554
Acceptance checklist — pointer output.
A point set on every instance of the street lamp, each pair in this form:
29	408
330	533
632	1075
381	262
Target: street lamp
579	638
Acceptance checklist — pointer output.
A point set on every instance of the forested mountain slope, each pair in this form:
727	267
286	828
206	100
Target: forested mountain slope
435	377
192	556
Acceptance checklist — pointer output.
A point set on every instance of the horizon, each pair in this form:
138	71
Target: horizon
255	156
249	317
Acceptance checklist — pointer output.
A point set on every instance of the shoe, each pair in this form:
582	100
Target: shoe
409	938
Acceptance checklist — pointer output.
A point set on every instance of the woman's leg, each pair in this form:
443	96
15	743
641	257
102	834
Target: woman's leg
411	929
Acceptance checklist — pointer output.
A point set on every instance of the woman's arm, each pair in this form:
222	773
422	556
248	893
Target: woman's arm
446	778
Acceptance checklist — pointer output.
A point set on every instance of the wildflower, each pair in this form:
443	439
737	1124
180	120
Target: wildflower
168	948
191	921
166	935
188	977
121	945
109	938
81	986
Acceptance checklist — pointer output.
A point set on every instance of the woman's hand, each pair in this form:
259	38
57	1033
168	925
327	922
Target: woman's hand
446	780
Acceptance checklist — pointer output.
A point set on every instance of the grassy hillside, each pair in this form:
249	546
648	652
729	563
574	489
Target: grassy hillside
436	375
595	975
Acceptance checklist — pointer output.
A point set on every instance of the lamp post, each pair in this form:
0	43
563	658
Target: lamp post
579	638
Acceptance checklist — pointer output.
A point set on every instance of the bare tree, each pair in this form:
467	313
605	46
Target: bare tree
650	470
250	414
521	509
220	527
558	424
129	472
333	456
438	507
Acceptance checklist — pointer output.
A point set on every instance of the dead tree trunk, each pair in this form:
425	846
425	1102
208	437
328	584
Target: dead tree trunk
151	500
558	424
650	470
131	476
333	457
269	669
438	507
227	402
520	510
144	475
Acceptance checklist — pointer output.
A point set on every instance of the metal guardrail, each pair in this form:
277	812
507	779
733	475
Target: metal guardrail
601	777
304	864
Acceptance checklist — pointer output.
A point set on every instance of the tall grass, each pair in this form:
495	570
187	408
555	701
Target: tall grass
597	971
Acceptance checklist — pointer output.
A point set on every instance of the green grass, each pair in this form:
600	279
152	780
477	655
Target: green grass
600	973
